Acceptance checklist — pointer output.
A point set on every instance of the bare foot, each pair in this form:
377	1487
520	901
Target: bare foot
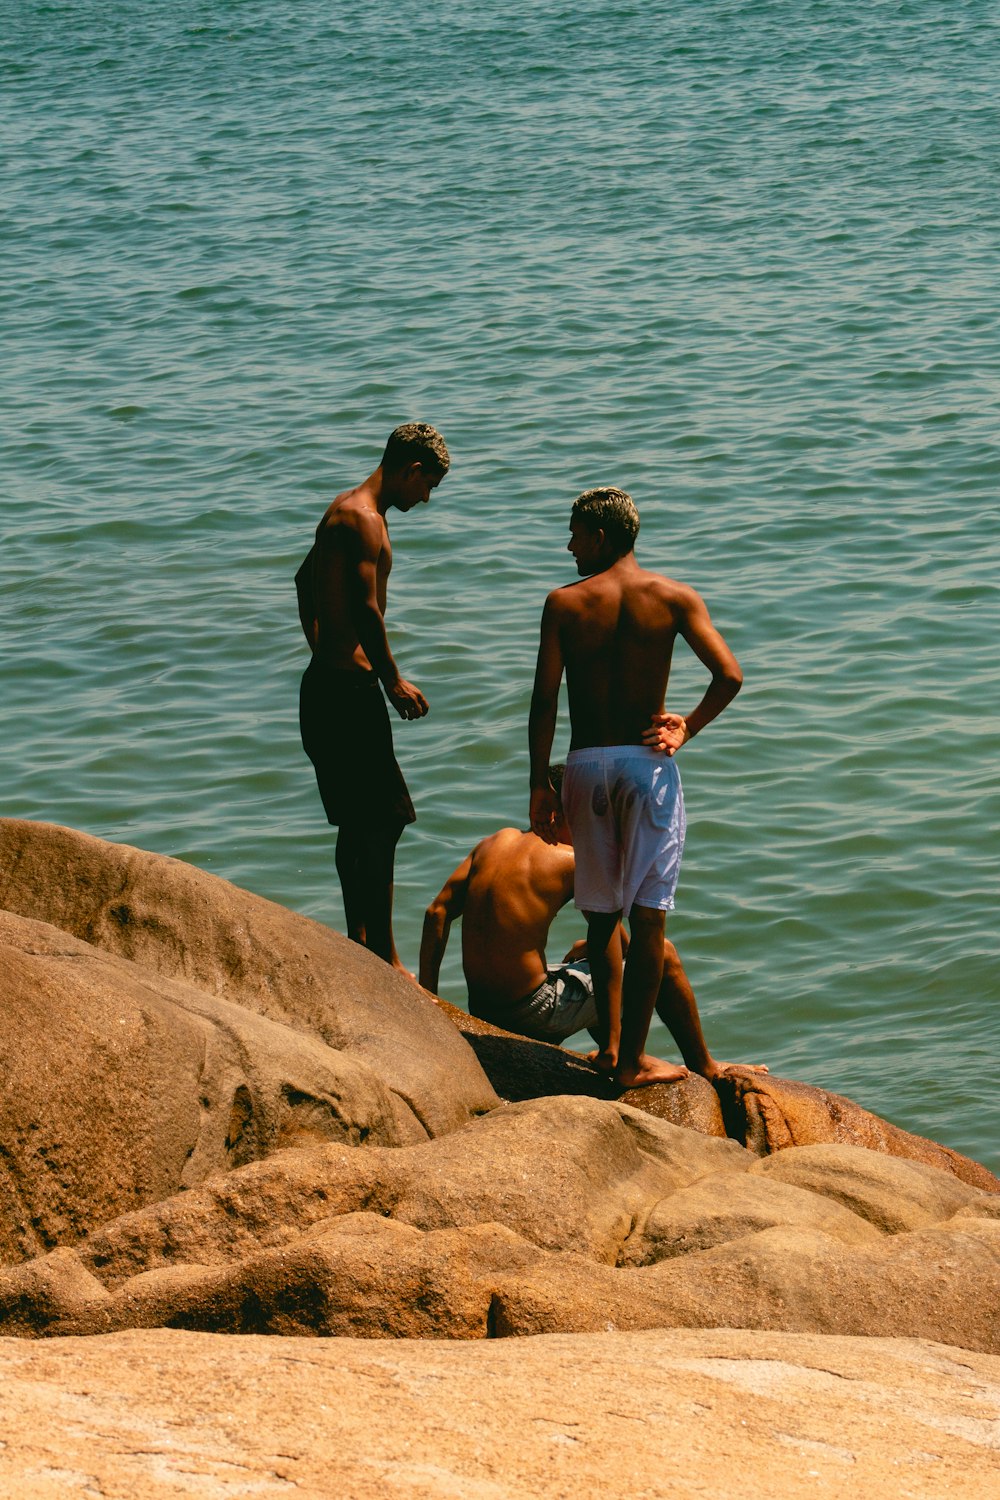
650	1070
603	1061
715	1070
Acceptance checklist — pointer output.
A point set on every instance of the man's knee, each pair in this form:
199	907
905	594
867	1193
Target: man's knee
647	921
602	921
361	838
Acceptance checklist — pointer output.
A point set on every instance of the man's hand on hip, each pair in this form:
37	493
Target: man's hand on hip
667	732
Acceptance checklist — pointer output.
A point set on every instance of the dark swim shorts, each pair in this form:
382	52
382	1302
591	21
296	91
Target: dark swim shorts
347	735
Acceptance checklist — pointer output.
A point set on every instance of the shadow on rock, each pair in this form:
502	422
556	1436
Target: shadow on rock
764	1113
519	1068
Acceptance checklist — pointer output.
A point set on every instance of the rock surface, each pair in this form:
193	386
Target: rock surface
190	1071
178	922
689	1414
768	1114
893	1195
121	1087
555	1215
764	1113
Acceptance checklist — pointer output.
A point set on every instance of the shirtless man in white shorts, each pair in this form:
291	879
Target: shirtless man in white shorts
613	634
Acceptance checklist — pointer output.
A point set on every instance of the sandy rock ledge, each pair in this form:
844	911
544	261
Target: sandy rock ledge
687	1415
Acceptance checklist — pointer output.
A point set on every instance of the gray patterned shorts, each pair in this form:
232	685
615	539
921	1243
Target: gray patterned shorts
562	1005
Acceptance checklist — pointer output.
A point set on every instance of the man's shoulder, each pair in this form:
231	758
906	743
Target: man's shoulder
350	512
653	578
349	504
511	851
568	596
494	842
493	857
670	589
508	846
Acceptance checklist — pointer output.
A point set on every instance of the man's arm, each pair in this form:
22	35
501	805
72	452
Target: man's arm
369	621
306	596
448	904
669	732
542	723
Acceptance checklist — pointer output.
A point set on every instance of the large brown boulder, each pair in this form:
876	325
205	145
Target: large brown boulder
563	1173
686	1413
166	1031
120	1087
179	922
559	1215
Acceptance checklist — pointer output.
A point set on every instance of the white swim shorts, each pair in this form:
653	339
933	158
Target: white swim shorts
625	807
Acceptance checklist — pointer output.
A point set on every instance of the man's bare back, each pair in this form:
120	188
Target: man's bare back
516	884
614	633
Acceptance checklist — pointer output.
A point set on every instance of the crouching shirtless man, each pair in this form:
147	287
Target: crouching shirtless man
507	893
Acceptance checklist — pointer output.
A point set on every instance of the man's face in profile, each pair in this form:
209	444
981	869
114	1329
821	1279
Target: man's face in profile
415	486
586	546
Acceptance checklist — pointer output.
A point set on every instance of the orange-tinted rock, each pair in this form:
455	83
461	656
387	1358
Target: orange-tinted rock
160	1413
768	1114
558	1215
893	1193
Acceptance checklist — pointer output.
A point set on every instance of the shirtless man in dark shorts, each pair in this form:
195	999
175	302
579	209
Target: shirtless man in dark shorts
507	893
613	633
341	588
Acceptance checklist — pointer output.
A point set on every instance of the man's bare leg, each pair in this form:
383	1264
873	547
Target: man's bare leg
604	951
640	991
365	863
350	843
378	870
678	1010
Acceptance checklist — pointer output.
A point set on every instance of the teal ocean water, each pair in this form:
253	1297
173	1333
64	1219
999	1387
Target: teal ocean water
739	258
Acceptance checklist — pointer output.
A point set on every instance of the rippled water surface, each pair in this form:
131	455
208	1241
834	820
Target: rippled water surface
740	258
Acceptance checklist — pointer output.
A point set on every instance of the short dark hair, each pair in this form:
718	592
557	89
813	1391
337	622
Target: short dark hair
611	511
417	442
556	774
